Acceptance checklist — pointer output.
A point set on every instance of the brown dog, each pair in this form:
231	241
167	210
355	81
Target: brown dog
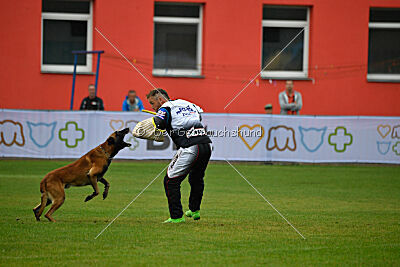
88	170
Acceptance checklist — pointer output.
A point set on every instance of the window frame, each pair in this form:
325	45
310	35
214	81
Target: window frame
300	24
182	20
381	77
56	68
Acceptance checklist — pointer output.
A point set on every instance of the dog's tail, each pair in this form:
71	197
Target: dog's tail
43	186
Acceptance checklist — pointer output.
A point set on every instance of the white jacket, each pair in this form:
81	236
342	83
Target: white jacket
286	106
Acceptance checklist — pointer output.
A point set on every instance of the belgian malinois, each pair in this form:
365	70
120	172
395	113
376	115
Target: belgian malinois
88	170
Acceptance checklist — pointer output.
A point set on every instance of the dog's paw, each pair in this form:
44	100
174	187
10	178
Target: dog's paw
88	198
105	194
36	211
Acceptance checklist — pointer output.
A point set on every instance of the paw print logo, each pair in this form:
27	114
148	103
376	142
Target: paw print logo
71	134
11	133
281	138
340	139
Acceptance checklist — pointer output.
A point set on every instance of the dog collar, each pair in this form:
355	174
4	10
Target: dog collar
105	152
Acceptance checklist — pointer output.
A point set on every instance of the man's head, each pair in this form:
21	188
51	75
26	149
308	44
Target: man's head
157	98
289	87
92	91
132	96
268	109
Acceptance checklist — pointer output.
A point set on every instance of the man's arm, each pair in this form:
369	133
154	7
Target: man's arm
125	106
162	118
101	105
199	110
140	104
299	102
83	105
285	106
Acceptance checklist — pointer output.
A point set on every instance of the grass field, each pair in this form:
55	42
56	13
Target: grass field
350	215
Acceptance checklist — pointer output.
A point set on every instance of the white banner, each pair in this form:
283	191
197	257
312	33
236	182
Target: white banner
246	137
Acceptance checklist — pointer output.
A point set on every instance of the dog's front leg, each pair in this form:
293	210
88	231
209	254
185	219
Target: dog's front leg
93	181
106	187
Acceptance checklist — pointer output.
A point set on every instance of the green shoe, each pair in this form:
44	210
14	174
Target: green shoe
193	214
179	220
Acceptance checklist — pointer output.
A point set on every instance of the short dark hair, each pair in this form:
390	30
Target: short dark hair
158	91
132	91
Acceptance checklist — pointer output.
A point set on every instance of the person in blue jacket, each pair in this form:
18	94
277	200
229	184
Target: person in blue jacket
132	102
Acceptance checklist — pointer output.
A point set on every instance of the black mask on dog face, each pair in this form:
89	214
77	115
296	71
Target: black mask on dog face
118	141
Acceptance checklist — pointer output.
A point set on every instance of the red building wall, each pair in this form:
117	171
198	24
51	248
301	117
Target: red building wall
232	35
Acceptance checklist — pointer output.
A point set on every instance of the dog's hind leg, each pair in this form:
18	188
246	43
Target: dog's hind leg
38	210
106	187
58	199
56	193
56	204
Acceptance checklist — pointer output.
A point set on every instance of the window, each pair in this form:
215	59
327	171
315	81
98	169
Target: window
280	26
66	26
384	45
177	39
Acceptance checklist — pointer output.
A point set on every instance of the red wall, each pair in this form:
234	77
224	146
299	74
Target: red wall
231	57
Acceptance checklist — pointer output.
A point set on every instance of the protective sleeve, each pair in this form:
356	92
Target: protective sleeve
162	118
146	129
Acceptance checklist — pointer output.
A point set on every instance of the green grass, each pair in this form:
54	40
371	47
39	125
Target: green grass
350	215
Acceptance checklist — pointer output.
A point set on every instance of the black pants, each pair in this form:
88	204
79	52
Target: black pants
192	161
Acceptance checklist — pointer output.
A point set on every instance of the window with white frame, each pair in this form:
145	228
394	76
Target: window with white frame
177	39
66	26
285	27
384	45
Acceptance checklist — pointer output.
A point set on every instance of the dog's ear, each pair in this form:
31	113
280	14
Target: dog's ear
110	141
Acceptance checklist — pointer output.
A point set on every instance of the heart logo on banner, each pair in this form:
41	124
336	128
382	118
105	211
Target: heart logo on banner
384	130
116	124
251	132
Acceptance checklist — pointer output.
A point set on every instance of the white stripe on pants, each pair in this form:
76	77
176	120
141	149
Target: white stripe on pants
182	161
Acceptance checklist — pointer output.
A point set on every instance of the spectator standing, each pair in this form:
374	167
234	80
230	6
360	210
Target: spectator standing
92	102
132	102
290	100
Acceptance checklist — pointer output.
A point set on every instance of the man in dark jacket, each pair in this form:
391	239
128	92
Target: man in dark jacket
92	102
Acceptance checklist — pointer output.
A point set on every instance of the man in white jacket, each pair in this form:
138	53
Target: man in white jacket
181	120
290	100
